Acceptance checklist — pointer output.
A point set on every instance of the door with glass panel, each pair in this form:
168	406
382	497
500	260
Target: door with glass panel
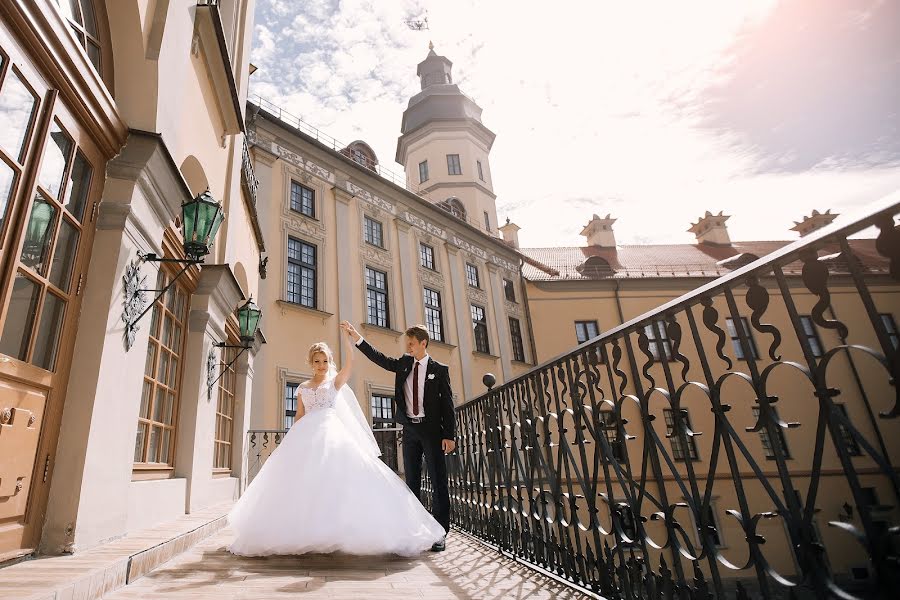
50	180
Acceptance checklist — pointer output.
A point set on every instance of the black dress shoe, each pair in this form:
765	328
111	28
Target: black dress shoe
440	545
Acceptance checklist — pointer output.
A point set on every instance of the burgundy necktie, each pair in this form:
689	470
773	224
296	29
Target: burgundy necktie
416	390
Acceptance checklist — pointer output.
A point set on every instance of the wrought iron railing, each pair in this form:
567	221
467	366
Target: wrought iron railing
665	460
260	445
248	178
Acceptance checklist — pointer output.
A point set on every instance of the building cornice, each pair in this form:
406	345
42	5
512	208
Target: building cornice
368	186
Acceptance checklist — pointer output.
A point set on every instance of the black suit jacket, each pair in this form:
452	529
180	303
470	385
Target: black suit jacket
440	418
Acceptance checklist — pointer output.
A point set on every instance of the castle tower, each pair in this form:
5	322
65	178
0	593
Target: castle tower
445	147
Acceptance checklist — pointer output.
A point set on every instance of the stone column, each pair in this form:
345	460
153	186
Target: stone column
408	275
216	297
501	324
463	319
243	368
345	273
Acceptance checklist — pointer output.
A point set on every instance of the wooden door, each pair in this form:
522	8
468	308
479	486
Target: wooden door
51	177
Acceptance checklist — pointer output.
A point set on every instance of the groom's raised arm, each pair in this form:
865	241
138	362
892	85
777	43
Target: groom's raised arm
385	362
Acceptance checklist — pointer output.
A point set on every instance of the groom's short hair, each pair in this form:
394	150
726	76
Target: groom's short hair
419	332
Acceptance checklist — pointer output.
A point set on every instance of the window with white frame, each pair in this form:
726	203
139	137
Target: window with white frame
301	273
373	232
660	344
735	336
434	317
426	256
515	333
453	167
377	298
680	452
303	199
290	403
479	324
472	275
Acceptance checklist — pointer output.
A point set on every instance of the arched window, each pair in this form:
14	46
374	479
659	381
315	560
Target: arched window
595	267
81	16
454	207
362	154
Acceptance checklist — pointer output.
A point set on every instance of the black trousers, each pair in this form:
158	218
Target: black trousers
416	444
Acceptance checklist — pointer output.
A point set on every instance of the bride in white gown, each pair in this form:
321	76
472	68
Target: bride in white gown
324	489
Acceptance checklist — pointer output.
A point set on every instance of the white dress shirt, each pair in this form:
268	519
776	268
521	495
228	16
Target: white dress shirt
407	386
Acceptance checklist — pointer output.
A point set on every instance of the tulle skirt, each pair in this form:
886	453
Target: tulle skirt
320	491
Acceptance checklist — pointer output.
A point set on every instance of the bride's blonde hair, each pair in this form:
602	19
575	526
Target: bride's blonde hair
320	348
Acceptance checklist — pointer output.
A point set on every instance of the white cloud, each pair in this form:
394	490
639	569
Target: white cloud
596	105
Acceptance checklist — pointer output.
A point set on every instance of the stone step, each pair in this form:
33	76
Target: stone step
91	574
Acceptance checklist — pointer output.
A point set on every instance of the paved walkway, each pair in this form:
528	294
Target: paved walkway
467	569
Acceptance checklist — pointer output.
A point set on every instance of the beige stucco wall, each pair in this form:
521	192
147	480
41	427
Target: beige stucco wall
167	81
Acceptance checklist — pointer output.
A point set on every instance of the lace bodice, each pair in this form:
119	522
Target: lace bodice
319	398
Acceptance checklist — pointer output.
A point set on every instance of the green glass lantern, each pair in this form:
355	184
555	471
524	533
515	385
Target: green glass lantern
202	218
248	321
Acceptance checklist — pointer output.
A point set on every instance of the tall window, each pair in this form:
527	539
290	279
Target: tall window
847	437
480	171
472	275
426	256
290	403
423	171
155	440
479	323
811	335
374	232
766	440
453	167
679	451
736	338
611	432
660	344
377	298
303	199
515	332
586	330
225	411
434	318
487	221
301	275
80	14
891	327
509	290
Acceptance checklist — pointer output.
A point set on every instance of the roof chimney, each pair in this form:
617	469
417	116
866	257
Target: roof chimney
813	222
510	233
599	232
711	229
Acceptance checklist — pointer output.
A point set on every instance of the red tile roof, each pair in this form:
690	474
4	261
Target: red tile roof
675	260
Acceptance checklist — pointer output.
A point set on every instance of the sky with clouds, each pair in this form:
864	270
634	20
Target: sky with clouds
653	111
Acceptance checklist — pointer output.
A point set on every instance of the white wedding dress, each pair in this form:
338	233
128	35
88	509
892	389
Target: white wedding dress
324	489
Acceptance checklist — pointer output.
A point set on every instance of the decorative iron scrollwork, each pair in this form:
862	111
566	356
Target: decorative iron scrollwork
134	300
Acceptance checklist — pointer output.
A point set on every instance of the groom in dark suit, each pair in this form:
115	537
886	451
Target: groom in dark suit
423	404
